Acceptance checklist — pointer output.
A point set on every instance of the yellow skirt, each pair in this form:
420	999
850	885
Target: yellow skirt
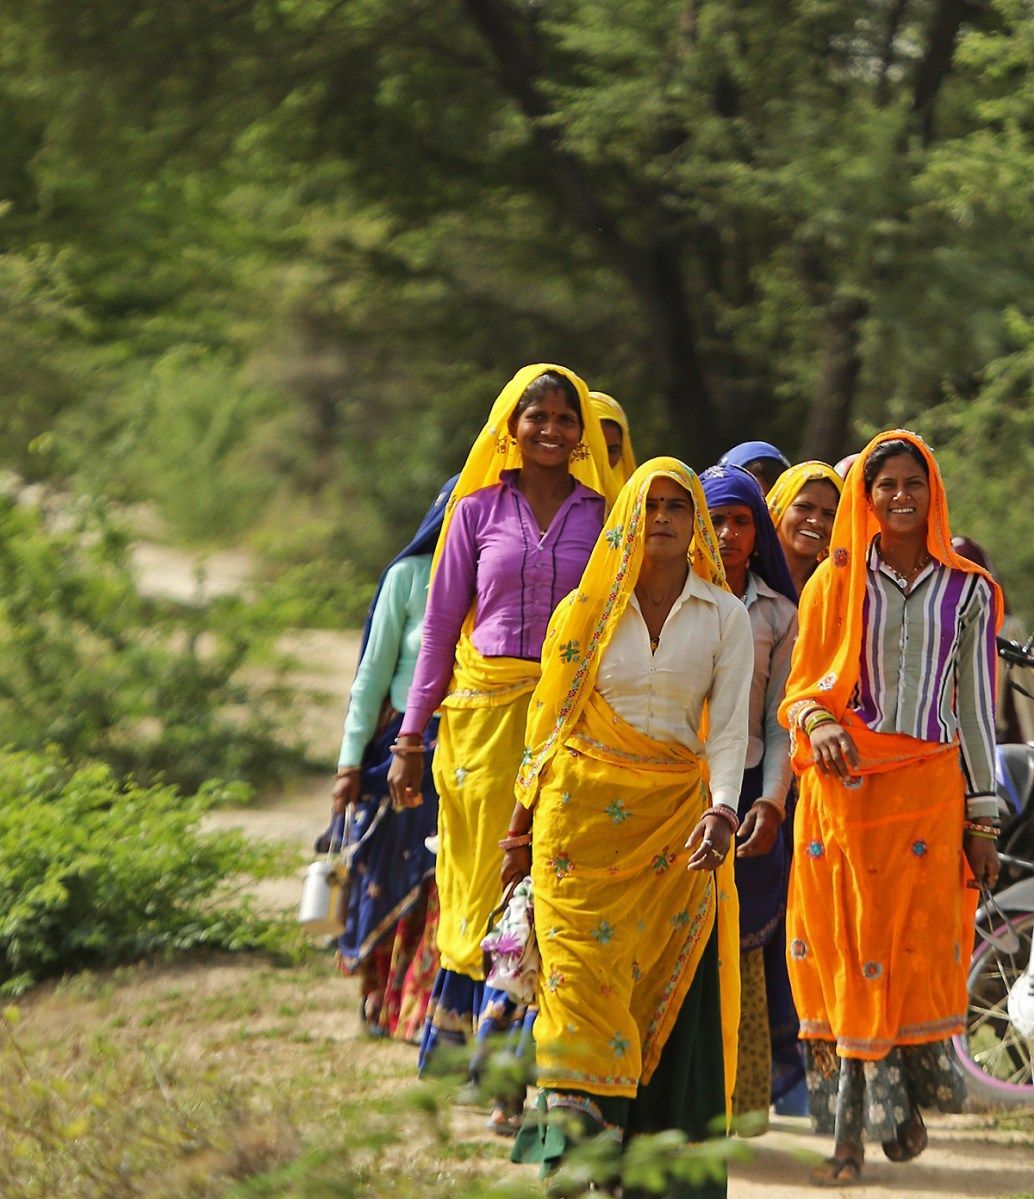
475	763
621	923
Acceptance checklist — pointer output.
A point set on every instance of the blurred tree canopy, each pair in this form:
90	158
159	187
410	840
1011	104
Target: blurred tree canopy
267	262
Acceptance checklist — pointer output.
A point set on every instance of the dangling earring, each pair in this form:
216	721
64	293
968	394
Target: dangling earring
580	452
505	442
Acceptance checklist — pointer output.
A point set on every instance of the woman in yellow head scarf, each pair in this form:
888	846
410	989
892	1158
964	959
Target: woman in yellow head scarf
890	708
802	503
635	902
518	530
612	416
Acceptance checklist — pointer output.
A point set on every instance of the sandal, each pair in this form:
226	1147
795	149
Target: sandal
911	1140
504	1120
837	1172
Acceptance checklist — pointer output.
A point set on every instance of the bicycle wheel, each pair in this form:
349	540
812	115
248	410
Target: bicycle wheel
999	1063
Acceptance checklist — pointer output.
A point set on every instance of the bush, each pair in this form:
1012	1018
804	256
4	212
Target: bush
90	666
94	872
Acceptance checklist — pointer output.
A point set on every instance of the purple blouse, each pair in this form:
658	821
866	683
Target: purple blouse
495	556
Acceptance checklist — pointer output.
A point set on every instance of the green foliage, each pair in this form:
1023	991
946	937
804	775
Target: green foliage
94	872
269	271
985	447
91	667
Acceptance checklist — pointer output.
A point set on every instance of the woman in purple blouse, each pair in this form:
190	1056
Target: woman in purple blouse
524	516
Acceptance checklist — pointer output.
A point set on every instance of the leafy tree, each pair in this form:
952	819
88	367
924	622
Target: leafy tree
740	217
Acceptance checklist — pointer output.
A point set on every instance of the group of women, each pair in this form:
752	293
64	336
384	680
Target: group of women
642	659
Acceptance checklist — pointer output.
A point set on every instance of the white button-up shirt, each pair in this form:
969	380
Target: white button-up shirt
705	653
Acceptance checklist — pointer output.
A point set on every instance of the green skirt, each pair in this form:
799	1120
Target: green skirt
686	1092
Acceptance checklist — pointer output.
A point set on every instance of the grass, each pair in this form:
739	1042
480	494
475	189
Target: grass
220	1077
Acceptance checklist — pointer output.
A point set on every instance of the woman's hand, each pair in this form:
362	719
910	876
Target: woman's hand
406	773
345	790
758	831
983	860
516	864
834	751
709	843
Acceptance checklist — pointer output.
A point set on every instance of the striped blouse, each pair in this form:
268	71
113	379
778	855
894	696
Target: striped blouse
928	666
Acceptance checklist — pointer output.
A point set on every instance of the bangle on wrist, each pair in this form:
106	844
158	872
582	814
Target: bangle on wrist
515	842
776	807
345	771
726	813
815	720
810	710
405	751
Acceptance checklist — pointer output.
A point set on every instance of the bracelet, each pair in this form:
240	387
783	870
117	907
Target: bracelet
816	720
515	842
808	712
405	751
978	829
345	771
778	808
726	813
987	835
518	832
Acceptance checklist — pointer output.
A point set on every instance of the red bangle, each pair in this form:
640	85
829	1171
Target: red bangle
726	813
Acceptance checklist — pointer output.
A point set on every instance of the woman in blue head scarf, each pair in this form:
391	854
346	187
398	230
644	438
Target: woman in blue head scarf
756	570
392	905
762	459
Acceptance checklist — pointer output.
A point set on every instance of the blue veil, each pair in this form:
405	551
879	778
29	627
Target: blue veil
423	542
751	451
726	485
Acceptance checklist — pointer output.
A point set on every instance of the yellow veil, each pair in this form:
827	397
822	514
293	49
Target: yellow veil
494	450
584	622
785	488
607	408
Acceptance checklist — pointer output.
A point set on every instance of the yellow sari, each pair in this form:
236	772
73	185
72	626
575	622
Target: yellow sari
481	735
621	922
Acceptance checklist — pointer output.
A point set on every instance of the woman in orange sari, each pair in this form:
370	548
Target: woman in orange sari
890	708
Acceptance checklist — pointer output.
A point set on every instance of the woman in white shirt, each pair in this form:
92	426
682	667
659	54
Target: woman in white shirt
636	739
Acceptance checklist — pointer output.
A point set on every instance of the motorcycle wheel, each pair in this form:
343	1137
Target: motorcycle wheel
998	1062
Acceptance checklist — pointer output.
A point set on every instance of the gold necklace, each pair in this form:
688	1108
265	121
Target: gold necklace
906	577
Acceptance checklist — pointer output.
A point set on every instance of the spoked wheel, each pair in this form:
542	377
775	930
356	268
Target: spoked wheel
998	1061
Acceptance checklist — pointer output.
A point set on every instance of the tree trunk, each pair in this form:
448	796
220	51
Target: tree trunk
653	270
829	415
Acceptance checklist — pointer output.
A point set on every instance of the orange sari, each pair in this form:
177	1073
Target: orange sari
879	919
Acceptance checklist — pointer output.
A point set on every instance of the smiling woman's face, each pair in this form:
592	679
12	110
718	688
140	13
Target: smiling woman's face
547	430
900	496
669	521
808	521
